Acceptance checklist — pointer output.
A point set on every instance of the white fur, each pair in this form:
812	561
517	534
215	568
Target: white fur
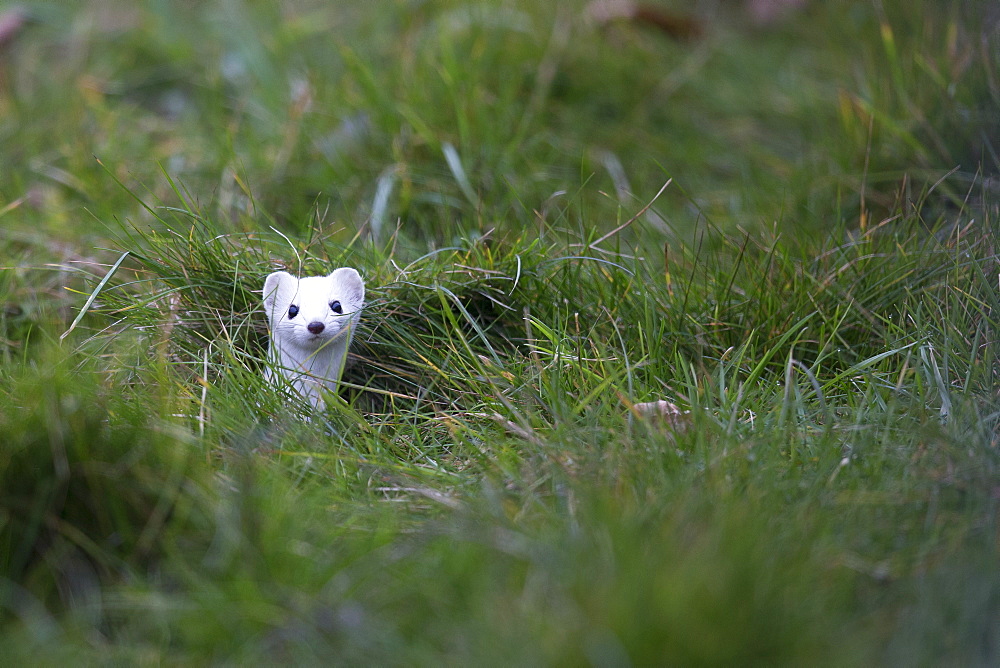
312	361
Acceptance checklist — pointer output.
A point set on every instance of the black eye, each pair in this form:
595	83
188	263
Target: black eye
293	311
335	307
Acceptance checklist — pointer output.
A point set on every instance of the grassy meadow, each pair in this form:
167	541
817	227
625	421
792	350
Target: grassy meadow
788	227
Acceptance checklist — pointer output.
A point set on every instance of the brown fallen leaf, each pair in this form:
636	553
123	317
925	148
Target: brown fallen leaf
664	413
11	23
678	26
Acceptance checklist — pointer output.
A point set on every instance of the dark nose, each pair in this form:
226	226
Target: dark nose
315	327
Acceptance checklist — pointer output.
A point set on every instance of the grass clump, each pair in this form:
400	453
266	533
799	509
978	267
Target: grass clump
94	489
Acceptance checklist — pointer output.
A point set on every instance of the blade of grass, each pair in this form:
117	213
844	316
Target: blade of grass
93	295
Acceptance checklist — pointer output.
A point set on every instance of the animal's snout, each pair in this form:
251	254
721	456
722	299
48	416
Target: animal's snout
315	327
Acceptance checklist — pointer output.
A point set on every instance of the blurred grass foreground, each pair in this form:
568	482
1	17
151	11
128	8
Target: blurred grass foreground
779	217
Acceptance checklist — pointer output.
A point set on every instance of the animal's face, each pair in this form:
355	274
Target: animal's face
310	312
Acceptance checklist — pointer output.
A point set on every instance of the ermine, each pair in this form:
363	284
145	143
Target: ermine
312	320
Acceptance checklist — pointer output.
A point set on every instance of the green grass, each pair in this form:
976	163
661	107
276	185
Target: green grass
817	286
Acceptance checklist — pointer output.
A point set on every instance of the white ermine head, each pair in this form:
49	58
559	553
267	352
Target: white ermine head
309	313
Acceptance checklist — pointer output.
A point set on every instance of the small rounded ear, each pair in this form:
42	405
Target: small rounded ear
274	285
350	282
